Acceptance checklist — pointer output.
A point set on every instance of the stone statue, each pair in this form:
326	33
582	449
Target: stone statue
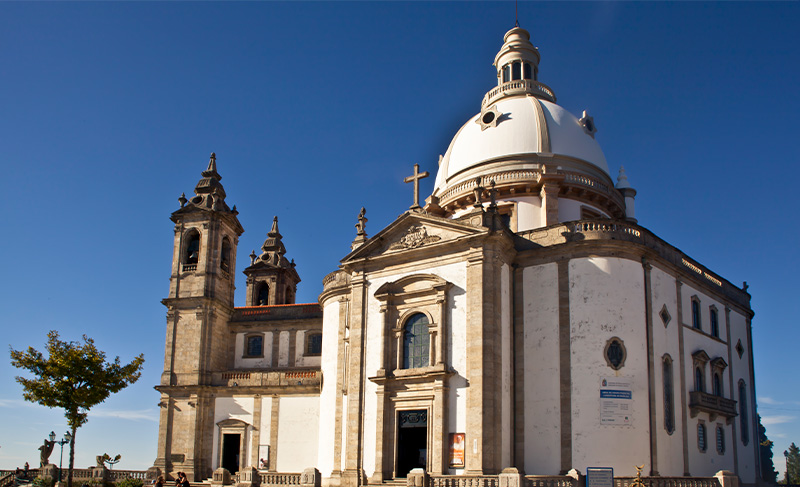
45	451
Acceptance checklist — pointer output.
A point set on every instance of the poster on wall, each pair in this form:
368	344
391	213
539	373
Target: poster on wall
616	401
457	450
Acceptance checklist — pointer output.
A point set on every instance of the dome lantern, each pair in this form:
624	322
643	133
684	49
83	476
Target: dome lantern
517	66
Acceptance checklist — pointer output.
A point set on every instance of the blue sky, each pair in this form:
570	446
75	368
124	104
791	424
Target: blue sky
110	111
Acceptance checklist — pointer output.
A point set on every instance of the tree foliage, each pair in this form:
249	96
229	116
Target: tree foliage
768	472
73	376
792	465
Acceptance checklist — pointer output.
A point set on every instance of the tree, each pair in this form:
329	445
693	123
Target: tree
74	377
792	465
768	472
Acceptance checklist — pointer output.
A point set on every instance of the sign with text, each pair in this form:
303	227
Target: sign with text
457	450
599	477
616	401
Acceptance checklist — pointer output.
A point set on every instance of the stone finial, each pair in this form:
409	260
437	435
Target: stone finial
362	223
361	232
745	286
622	179
492	197
253	257
234	210
182	200
478	193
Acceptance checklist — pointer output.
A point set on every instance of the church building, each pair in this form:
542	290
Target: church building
519	317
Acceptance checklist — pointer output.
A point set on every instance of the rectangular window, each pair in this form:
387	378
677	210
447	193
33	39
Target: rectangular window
516	71
669	405
506	73
528	71
255	346
314	346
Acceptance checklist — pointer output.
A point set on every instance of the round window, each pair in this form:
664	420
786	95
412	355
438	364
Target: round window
488	117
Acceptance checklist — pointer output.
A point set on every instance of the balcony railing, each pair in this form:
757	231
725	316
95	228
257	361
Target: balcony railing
311	378
711	404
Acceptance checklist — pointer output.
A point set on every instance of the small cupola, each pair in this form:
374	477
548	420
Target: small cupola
271	277
517	66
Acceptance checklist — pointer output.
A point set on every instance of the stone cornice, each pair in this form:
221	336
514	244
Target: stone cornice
622	239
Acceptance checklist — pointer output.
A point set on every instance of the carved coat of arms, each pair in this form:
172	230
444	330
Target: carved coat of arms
416	236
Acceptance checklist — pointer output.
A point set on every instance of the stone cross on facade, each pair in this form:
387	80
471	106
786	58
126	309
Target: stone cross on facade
415	178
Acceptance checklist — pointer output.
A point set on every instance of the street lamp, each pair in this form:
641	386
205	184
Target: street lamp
61	443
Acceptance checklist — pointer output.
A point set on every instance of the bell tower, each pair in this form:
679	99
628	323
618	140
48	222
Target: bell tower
199	307
271	277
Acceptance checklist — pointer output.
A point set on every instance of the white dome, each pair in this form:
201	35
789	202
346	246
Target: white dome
525	126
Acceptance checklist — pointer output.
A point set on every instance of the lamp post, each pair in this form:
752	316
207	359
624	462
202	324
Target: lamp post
61	442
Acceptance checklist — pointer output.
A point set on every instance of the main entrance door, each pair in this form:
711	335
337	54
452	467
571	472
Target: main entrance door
230	452
412	441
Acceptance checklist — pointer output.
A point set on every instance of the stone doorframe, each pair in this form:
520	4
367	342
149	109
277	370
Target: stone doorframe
233	427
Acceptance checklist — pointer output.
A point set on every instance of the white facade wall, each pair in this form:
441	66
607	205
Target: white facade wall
529	213
298	431
607	300
283	349
708	462
746	448
541	369
236	407
570	210
240	362
666	341
327	399
265	428
454	273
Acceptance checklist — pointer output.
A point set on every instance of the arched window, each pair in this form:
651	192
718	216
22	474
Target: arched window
225	255
744	421
720	440
669	402
701	437
716	385
314	344
416	342
262	297
192	253
696	314
714	323
699	384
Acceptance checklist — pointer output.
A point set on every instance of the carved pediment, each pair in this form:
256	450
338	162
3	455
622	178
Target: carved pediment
412	284
413	231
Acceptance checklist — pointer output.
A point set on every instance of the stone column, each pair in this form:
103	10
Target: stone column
352	475
473	450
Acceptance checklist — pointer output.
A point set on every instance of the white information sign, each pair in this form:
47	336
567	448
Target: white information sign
599	477
616	401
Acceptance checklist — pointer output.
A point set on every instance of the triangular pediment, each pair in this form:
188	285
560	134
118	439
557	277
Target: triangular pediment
411	231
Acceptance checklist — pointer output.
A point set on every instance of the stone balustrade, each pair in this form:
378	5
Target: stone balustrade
714	405
519	86
669	481
464	481
269	378
276	478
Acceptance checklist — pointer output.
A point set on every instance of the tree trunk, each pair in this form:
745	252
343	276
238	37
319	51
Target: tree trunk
71	457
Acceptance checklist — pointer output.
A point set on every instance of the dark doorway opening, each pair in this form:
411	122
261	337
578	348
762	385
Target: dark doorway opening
412	441
230	452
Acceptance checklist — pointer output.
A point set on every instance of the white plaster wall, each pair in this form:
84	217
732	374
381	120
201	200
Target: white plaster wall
456	274
236	407
283	349
529	213
327	398
300	358
709	462
265	428
570	210
505	365
746	453
606	300
298	430
541	370
666	340
253	363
